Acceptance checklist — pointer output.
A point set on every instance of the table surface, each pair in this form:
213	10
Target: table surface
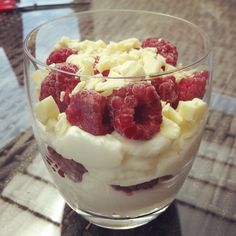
206	204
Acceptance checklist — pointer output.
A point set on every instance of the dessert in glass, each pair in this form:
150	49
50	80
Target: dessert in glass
119	101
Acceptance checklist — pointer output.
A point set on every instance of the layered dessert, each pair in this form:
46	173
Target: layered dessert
121	123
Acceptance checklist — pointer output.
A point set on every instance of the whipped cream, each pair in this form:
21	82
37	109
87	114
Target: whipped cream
98	197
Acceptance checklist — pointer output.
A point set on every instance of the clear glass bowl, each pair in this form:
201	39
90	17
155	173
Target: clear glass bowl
114	181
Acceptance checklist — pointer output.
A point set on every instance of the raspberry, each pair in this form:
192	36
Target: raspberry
164	47
56	82
193	86
137	187
63	166
167	89
105	73
88	110
59	55
135	111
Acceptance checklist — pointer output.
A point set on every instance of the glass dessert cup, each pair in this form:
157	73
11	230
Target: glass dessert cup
111	177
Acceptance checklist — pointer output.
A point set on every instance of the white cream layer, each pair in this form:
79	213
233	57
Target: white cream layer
113	159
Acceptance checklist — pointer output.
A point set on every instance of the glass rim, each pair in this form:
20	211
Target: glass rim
203	34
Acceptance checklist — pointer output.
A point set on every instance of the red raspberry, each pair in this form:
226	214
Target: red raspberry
105	73
193	86
135	111
96	71
72	169
167	89
164	47
59	55
56	82
137	187
88	110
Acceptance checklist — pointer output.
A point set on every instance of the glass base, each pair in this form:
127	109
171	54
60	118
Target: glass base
122	223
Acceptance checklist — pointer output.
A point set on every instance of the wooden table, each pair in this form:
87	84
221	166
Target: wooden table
205	206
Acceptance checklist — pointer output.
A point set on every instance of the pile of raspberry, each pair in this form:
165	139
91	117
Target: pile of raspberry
134	111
